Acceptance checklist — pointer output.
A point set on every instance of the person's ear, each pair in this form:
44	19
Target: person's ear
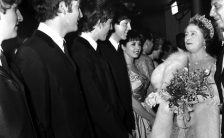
62	8
98	24
123	47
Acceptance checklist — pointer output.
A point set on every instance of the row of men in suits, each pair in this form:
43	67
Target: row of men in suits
80	91
104	81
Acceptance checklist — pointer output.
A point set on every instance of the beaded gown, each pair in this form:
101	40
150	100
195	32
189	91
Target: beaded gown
139	84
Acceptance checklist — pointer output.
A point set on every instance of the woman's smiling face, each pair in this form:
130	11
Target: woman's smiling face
133	48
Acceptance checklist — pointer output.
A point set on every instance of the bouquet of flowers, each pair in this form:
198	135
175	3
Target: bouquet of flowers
177	85
186	89
180	87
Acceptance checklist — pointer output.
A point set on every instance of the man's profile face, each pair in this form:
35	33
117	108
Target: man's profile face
122	29
217	12
74	15
9	21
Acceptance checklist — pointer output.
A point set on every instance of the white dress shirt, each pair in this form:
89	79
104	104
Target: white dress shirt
92	42
114	43
52	34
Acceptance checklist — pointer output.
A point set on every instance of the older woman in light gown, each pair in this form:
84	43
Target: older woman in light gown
204	121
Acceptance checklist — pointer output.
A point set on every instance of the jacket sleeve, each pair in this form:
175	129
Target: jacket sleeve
31	70
101	110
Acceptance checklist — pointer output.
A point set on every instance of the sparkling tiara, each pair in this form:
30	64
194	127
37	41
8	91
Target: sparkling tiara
206	23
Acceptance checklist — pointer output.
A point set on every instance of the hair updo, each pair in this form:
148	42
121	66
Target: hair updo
205	25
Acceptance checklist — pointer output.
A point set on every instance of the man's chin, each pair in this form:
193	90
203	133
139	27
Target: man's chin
103	39
124	37
14	35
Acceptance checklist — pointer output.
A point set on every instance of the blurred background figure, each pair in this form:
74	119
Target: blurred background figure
180	42
144	62
167	49
147	42
157	51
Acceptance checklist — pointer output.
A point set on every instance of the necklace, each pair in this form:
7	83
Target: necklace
195	63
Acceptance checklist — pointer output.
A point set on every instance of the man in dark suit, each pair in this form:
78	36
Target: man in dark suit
49	75
15	118
96	79
217	12
113	53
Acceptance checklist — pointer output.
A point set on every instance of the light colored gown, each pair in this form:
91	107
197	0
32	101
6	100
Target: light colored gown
139	90
204	120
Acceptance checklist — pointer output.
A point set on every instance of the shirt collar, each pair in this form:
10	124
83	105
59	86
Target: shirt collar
92	42
223	37
52	34
114	43
1	50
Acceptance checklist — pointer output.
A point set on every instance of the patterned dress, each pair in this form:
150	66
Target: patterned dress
139	91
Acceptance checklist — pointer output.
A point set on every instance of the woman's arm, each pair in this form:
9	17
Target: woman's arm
139	109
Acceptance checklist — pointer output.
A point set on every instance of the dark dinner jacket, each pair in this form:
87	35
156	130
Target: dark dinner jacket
219	79
15	117
120	74
53	88
100	92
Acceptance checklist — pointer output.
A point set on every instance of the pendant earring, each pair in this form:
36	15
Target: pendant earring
204	44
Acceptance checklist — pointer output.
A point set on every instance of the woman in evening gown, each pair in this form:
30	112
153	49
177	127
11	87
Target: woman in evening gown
144	116
203	120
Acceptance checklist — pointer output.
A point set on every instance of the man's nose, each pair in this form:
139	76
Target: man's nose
212	12
20	17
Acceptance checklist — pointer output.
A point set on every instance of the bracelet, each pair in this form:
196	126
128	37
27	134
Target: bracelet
183	127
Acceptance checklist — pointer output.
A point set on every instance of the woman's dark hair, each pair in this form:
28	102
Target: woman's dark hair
6	4
132	35
48	9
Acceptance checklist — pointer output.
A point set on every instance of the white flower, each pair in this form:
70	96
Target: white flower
207	71
153	99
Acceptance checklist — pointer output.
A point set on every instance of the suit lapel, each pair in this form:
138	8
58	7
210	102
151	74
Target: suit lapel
220	64
219	75
4	62
52	44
